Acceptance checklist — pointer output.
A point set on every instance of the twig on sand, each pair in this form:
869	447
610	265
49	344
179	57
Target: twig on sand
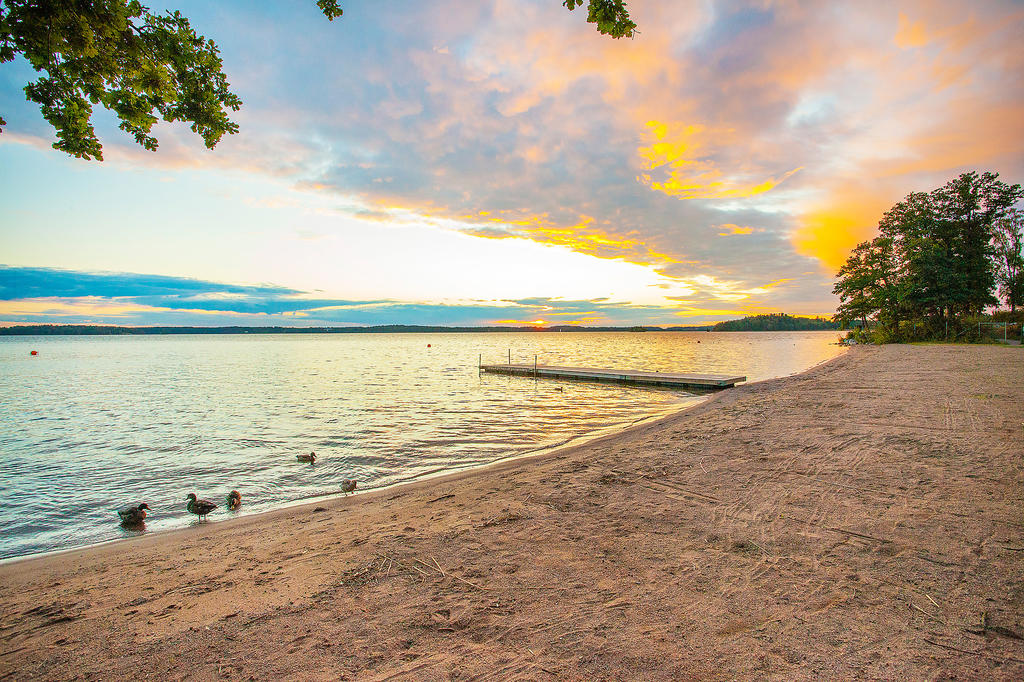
701	463
438	566
974	653
935	618
932	600
417	570
953	648
462	580
424	563
401	565
856	534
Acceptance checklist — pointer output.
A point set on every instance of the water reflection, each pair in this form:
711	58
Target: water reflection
95	419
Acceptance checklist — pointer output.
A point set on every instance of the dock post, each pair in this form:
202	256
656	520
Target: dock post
480	363
534	366
509	357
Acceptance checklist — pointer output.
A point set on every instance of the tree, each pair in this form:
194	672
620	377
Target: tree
870	285
936	257
144	67
1008	242
966	209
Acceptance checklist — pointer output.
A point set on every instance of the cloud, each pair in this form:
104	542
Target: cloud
732	230
19	282
48	295
793	125
682	155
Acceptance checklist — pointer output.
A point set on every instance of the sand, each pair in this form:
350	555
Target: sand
863	519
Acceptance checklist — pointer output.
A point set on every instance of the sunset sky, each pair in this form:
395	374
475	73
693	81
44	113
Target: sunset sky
470	162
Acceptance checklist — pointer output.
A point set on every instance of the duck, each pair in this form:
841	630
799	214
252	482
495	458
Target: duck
234	500
311	457
133	516
348	485
199	507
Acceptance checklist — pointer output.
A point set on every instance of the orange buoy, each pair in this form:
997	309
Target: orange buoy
428	345
35	352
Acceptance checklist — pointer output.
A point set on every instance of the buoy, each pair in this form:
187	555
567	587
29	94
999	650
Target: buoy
35	352
428	345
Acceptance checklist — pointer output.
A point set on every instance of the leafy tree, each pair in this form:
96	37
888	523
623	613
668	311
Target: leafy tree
144	66
966	209
1008	241
935	257
870	285
855	287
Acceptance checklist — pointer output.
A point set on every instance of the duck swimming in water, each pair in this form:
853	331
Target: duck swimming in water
311	457
133	516
199	507
234	500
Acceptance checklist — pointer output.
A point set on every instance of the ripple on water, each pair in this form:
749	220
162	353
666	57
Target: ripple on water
96	423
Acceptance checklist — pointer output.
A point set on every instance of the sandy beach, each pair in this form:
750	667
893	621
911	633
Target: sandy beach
863	519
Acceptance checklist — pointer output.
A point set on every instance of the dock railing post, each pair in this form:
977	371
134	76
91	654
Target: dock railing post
534	366
509	357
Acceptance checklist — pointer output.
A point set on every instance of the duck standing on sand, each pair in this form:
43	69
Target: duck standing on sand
199	507
133	516
348	485
234	500
311	457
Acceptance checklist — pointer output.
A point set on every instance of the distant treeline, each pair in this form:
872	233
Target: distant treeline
775	322
771	323
109	330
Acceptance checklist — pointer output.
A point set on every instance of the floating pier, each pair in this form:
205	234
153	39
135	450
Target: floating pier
706	381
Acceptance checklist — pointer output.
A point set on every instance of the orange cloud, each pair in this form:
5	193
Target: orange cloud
732	229
534	323
682	155
910	34
829	232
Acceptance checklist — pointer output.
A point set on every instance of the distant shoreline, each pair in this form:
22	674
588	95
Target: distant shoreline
110	330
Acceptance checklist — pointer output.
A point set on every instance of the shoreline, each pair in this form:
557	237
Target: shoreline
436	476
855	519
316	500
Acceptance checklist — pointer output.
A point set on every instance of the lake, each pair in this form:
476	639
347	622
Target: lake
94	423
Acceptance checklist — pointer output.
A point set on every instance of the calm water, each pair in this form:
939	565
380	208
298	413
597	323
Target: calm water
95	423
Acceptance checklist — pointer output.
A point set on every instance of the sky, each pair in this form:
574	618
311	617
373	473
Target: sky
500	162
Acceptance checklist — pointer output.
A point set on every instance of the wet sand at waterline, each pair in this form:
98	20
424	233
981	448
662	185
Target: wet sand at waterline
863	518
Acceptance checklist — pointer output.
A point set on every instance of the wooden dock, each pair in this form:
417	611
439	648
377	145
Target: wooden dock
706	381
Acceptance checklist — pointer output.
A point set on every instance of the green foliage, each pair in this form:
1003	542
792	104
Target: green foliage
611	17
934	262
331	9
1008	247
775	322
119	55
144	66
